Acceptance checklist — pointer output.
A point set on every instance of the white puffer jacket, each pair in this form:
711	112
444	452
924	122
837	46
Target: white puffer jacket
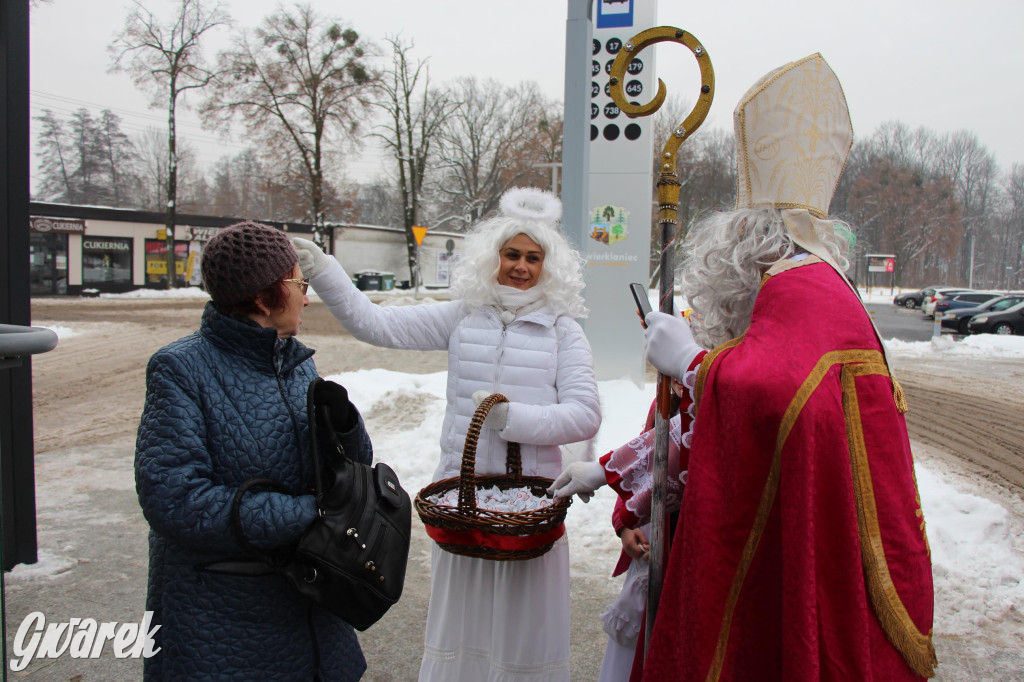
540	361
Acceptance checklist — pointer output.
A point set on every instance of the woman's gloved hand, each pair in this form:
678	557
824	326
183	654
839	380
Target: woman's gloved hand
579	478
312	259
670	344
497	418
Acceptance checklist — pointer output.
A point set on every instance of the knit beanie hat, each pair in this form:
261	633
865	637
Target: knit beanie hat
243	260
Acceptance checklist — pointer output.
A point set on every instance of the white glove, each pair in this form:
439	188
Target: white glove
670	344
312	259
497	417
579	478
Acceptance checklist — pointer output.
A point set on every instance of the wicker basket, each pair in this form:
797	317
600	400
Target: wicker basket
483	533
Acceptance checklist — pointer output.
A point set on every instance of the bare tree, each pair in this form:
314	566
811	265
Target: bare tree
164	57
152	157
489	143
241	187
1012	246
973	172
707	176
899	210
414	116
379	205
298	81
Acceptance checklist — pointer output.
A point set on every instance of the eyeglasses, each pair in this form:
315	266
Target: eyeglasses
303	283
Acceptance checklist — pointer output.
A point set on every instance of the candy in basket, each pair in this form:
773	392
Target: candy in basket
473	530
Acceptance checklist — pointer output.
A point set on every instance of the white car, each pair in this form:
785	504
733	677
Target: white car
928	304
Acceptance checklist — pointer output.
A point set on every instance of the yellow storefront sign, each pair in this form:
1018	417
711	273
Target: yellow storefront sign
158	266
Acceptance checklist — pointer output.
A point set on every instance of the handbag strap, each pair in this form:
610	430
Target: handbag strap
319	415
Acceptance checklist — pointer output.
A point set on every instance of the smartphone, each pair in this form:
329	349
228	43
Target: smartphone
643	303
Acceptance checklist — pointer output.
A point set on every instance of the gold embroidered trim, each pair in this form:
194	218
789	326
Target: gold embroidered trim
916	648
899	396
771	486
705	367
782	205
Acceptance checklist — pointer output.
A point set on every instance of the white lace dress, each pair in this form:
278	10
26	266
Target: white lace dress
470	639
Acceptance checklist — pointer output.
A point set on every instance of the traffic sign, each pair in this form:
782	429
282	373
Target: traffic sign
419	233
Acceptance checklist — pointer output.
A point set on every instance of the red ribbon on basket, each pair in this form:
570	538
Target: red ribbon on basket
484	539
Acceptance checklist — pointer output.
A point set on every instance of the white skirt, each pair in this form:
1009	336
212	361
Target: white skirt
623	620
498	621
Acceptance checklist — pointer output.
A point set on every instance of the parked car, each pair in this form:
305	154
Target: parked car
928	307
1009	321
908	299
968	299
911	299
958	318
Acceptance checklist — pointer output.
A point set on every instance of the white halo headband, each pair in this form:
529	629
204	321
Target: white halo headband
531	204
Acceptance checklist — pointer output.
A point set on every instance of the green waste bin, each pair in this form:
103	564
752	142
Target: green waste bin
387	281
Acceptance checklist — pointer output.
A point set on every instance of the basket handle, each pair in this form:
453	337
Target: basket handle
467	476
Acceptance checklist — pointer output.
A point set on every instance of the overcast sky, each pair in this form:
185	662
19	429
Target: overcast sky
942	64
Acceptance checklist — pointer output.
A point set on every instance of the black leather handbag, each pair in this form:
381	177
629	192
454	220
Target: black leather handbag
352	558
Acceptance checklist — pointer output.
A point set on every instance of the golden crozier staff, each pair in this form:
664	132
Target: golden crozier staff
668	208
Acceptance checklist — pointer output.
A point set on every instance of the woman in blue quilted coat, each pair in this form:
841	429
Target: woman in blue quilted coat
225	405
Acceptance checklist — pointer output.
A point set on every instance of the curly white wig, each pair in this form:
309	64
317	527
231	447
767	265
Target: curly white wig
726	255
535	213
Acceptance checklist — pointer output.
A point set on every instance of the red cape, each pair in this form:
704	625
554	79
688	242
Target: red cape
801	553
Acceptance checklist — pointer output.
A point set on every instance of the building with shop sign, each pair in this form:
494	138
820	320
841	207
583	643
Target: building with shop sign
89	249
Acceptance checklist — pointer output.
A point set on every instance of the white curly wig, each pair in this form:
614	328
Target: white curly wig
536	214
726	255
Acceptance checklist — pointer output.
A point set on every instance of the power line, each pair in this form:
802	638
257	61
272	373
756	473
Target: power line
134	113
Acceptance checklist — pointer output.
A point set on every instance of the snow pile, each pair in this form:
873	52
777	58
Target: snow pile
62	332
989	346
979	578
385	298
185	292
48	567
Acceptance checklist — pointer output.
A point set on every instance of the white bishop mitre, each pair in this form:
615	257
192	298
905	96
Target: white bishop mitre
793	135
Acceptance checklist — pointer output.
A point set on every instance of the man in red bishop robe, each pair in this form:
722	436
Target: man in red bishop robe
801	551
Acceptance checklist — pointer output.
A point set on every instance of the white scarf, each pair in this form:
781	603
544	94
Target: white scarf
514	302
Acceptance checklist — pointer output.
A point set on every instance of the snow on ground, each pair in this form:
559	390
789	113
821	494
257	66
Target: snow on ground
979	578
62	332
392	296
979	346
185	292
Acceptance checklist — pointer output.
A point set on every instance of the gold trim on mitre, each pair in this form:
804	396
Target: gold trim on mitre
793	136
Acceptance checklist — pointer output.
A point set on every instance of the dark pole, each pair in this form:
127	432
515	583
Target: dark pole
17	475
16	465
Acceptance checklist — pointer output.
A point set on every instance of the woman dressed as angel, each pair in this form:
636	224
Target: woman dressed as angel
510	328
